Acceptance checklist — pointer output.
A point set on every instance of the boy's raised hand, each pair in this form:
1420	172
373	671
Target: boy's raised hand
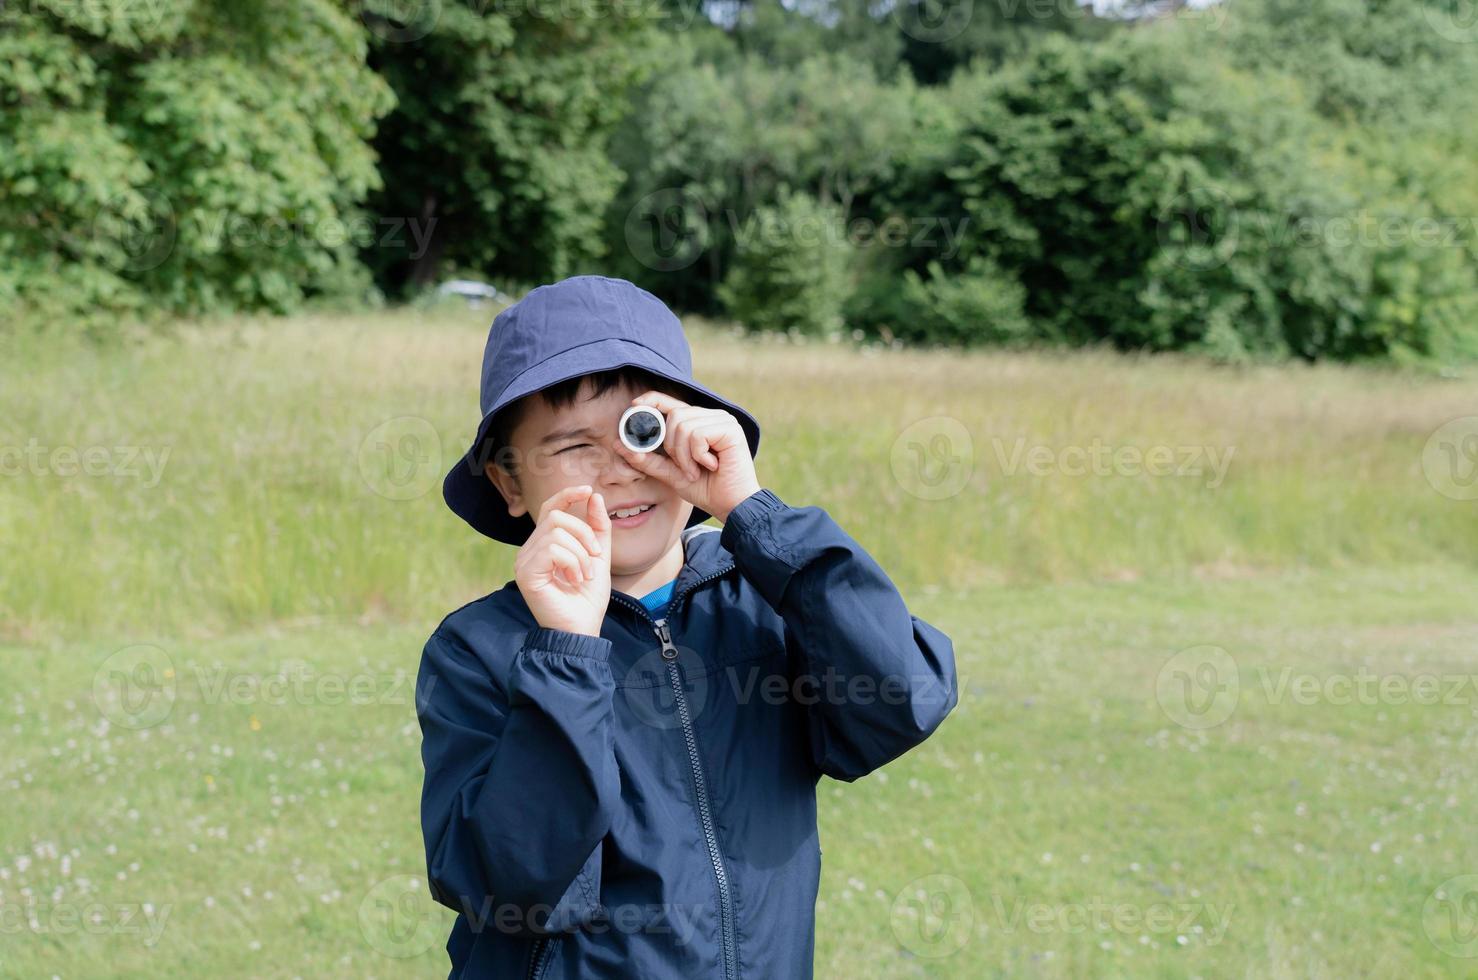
704	456
563	570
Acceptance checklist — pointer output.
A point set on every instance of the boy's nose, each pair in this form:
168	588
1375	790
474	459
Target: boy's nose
616	469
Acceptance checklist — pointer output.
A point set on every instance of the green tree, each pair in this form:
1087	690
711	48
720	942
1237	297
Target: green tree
792	268
197	156
706	148
497	149
942	36
1146	192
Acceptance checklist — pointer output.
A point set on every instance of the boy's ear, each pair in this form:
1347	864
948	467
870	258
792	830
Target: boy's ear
507	485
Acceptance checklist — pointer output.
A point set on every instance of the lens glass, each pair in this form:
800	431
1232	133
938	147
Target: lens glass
643	429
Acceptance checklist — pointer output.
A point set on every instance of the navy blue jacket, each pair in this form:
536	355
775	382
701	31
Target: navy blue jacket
643	803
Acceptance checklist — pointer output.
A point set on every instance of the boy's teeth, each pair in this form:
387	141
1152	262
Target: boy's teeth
629	513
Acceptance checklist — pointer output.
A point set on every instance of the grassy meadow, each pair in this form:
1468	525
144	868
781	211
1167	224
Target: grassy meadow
1216	634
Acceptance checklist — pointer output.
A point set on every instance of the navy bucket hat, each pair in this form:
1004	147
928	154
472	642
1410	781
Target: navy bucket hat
577	326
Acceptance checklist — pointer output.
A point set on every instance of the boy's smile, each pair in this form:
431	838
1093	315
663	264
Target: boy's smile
554	448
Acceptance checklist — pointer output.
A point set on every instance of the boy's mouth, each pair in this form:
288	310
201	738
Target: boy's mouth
632	515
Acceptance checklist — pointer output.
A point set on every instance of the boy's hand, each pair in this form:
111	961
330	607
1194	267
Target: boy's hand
563	570
704	456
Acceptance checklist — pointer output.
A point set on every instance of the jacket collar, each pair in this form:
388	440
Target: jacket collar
703	557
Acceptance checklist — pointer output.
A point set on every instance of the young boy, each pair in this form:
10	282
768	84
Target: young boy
622	744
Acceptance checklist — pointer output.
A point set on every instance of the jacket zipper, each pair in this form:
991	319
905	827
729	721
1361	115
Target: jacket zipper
700	782
541	954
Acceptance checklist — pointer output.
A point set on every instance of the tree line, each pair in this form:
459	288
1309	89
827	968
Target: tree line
1253	179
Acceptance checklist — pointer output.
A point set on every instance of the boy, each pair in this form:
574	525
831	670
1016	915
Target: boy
622	744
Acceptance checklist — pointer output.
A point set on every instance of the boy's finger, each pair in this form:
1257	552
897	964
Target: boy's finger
726	434
565	560
661	401
563	499
677	447
600	522
699	447
579	526
702	436
654	465
560	537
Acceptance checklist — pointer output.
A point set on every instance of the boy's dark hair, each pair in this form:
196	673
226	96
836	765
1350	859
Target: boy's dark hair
562	394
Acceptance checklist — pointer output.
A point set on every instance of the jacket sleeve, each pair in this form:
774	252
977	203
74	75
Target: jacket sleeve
879	680
521	780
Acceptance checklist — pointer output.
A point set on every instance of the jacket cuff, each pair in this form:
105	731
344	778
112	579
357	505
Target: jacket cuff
748	516
762	557
547	640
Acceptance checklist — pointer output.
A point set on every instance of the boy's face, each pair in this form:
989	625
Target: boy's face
555	448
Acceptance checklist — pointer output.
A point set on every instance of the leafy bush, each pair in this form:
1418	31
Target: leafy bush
190	157
792	268
1148	193
980	304
496	154
705	148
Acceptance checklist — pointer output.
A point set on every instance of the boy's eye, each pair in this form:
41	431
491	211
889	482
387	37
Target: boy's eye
578	445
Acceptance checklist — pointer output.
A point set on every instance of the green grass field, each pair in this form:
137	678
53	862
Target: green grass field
1217	720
